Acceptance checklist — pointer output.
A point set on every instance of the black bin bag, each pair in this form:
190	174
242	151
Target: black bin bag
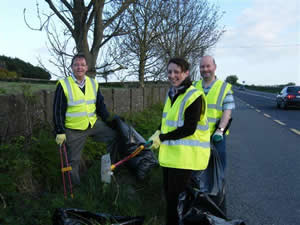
203	202
82	217
198	208
212	180
142	163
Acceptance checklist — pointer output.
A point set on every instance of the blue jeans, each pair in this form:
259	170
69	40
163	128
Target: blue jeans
221	149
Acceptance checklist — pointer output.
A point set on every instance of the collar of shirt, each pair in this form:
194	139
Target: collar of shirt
80	84
206	89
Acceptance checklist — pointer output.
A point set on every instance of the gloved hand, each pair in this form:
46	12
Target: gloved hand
60	138
155	140
217	136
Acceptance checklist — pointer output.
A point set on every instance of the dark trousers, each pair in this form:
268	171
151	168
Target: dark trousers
76	141
175	182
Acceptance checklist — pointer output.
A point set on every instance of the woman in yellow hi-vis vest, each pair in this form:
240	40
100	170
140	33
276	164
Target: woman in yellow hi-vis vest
183	138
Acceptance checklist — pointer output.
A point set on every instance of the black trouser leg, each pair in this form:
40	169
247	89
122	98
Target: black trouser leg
175	182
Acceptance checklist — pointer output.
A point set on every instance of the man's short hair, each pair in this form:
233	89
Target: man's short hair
213	59
78	56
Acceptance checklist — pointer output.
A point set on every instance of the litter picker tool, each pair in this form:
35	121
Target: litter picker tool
68	168
107	168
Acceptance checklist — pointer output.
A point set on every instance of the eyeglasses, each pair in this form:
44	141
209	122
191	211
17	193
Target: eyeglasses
77	65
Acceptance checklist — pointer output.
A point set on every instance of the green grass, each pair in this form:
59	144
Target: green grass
269	89
31	186
8	88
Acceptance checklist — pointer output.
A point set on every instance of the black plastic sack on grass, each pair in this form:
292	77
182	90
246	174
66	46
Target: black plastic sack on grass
141	164
82	217
195	208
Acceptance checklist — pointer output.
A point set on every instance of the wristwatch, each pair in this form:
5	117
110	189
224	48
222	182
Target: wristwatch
221	129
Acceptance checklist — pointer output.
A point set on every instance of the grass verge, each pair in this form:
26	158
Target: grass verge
31	187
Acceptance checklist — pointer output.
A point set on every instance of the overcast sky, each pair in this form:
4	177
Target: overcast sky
261	44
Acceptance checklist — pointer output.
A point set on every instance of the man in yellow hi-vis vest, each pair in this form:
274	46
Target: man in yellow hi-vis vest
220	103
78	103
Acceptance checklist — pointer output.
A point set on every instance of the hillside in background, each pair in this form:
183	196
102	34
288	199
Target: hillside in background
17	68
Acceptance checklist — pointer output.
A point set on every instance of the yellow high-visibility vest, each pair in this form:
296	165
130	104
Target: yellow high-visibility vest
81	110
214	98
191	152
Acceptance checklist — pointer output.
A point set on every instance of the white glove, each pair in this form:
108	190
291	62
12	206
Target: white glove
155	140
60	138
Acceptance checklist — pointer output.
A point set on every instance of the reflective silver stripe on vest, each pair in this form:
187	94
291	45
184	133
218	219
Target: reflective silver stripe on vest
218	105
79	114
164	115
91	102
203	127
172	123
92	114
180	121
94	87
212	106
219	101
186	97
212	120
187	143
76	114
71	102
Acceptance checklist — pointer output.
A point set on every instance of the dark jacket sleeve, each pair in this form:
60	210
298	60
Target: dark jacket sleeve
191	118
59	110
101	109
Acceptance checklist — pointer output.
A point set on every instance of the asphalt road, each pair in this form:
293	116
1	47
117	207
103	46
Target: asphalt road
266	102
263	173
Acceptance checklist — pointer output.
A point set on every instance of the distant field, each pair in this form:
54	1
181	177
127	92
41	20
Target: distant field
265	89
8	88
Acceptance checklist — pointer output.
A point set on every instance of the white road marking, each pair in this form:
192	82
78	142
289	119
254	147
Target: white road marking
281	123
295	131
267	115
248	93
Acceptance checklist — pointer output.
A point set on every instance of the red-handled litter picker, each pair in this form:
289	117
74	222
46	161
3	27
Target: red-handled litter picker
107	168
68	168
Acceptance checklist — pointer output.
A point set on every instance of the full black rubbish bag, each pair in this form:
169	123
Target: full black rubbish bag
203	202
82	217
212	180
141	164
198	208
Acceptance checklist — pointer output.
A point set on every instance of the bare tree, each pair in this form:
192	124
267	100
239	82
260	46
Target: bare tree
195	30
137	49
160	30
86	27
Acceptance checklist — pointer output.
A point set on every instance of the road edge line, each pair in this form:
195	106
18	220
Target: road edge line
279	122
295	131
